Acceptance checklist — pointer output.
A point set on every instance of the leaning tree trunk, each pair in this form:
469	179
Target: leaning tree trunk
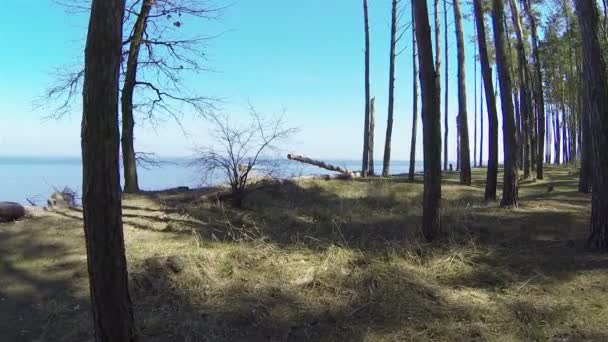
391	94
538	92
128	123
597	94
446	100
510	192
486	73
321	164
465	154
102	213
365	163
431	207
414	102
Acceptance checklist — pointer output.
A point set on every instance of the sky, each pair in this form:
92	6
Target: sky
302	57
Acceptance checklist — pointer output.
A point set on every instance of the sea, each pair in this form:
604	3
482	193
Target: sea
33	179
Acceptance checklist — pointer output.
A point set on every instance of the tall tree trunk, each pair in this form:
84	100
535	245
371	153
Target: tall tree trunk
129	161
475	106
597	90
414	101
486	73
445	110
586	173
431	218
465	154
372	129
564	137
525	98
391	93
549	135
438	51
102	213
518	121
365	163
480	121
557	137
510	191
538	91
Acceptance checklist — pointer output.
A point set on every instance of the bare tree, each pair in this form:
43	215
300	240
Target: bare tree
241	150
102	213
156	55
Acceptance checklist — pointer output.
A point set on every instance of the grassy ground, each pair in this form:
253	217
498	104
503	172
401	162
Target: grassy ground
324	261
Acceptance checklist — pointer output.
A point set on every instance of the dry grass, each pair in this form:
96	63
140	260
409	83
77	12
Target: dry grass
324	261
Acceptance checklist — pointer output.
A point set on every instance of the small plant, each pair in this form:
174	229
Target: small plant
243	149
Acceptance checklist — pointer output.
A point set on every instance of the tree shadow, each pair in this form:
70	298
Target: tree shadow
42	282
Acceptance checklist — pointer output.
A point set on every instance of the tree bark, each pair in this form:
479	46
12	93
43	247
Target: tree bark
102	213
366	133
431	218
510	191
597	94
486	73
446	101
391	93
465	154
129	161
414	102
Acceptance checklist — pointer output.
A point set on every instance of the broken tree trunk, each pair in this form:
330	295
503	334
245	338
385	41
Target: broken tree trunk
322	165
11	211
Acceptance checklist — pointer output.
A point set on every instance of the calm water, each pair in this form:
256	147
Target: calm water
38	177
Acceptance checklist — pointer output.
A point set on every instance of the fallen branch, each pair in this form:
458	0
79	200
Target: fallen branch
323	165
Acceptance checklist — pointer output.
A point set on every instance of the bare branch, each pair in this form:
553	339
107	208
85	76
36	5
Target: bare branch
243	150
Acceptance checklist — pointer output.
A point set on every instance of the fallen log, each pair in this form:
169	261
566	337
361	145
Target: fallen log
11	211
322	165
322	177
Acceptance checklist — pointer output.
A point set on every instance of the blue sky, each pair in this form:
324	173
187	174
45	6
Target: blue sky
302	56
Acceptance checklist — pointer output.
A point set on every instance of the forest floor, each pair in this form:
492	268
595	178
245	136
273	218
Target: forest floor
324	261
